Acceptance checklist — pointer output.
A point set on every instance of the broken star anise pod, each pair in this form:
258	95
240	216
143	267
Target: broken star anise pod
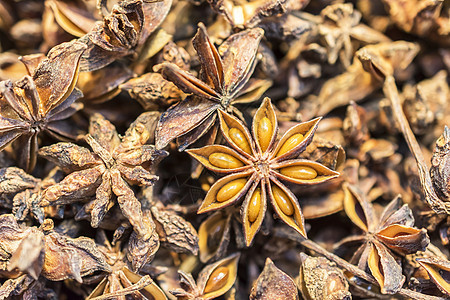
40	101
385	238
213	281
225	74
110	168
256	166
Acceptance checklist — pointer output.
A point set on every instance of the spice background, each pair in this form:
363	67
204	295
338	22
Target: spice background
232	149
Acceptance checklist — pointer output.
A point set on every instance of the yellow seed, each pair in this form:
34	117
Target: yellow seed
230	190
282	200
299	172
254	206
224	161
217	280
290	143
239	139
264	133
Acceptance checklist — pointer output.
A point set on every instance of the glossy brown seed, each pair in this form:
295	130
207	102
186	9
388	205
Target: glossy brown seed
283	201
224	161
229	190
238	137
265	128
215	232
217	280
299	172
290	143
254	206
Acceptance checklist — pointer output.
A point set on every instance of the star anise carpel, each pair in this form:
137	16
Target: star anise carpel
256	164
109	169
213	281
386	238
39	102
224	81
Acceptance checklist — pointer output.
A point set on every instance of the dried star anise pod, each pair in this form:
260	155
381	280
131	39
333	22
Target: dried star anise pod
363	77
440	165
123	283
46	252
126	27
320	279
39	102
214	236
249	13
110	168
120	281
102	85
167	229
385	237
340	23
175	233
273	283
213	281
25	287
142	250
224	82
256	164
22	192
428	19
152	91
439	272
74	17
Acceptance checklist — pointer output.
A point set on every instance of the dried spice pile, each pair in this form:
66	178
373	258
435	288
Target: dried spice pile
232	149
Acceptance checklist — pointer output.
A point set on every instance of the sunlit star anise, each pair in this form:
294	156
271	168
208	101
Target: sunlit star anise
225	74
39	101
384	236
114	163
256	164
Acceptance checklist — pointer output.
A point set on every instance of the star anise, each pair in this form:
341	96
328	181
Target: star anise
340	24
256	166
250	13
225	74
110	168
22	192
39	102
124	28
438	270
43	251
213	281
120	281
385	238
